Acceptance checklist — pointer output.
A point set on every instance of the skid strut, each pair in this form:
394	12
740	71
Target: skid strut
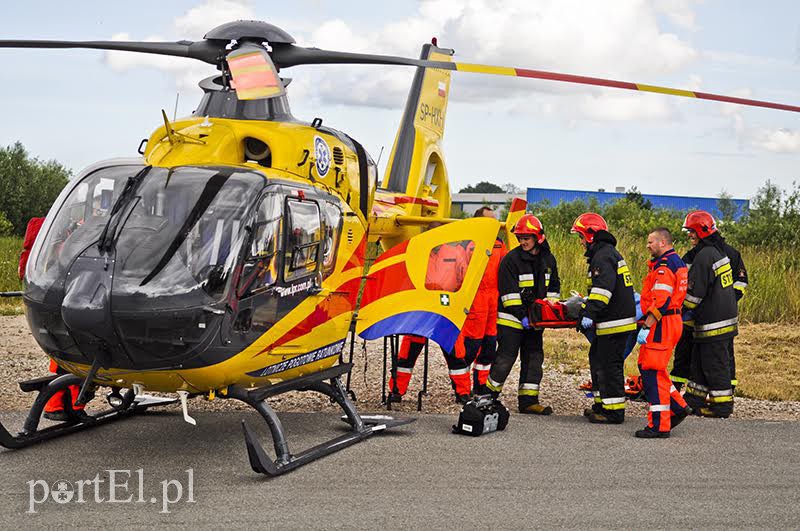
50	385
361	427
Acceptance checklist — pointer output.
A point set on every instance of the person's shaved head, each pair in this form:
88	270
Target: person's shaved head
659	241
663	233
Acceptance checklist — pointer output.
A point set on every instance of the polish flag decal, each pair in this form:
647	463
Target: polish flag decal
442	89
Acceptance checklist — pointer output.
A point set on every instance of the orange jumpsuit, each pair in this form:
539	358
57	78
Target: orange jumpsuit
662	296
478	339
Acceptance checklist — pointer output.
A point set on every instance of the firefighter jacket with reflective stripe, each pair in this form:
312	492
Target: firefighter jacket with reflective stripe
739	271
522	278
664	288
710	294
610	303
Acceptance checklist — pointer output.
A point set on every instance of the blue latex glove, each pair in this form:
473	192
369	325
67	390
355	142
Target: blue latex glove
586	323
687	315
526	324
641	338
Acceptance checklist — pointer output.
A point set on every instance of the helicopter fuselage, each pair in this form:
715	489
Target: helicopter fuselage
227	262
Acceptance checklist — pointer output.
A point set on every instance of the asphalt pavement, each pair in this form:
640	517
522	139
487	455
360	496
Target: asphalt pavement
542	472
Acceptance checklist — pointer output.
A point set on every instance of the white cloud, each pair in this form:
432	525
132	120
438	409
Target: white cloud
618	39
778	140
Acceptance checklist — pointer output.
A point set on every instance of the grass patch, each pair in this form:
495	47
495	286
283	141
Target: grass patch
767	359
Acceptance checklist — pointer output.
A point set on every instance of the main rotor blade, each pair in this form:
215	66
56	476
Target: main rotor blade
286	55
206	51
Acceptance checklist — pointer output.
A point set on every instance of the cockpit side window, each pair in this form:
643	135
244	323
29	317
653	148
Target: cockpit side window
264	257
304	231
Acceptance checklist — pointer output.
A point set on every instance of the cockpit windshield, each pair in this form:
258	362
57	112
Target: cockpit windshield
179	233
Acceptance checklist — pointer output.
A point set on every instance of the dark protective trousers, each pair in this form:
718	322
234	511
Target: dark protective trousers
529	345
710	382
682	365
606	361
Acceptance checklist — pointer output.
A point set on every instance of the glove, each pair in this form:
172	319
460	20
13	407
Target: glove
687	315
641	338
586	323
526	324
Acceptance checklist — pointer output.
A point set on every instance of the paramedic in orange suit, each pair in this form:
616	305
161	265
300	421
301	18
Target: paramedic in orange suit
662	297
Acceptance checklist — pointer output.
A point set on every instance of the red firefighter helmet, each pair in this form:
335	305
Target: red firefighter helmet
531	226
588	224
701	222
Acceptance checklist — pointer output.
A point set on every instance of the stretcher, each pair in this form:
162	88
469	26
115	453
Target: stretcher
549	313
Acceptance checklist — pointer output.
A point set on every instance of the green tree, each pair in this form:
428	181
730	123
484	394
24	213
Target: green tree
483	187
726	206
635	196
28	186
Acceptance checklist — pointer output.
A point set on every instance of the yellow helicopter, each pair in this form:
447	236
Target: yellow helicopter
229	260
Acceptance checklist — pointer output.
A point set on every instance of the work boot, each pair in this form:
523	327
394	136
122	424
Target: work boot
679	417
57	416
394	398
650	433
536	409
462	399
605	418
596	408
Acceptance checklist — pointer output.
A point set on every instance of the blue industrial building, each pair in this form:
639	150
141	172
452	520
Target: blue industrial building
681	203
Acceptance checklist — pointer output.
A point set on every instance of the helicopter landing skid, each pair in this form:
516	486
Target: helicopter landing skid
50	385
361	427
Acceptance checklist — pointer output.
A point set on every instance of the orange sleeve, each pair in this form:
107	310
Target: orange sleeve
662	291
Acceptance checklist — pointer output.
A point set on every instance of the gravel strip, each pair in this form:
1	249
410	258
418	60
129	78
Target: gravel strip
21	359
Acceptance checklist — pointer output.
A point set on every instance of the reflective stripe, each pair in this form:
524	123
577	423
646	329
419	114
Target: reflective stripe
663	287
688	266
734	382
692	298
553	295
618	400
622	263
507	317
598	297
527	276
456	372
405	370
697	386
659	407
512	299
526	281
601	291
616	326
509	324
724	392
672	389
494	386
740	285
718	324
532	386
713	333
679	379
547	277
720	263
528	392
480	367
597	399
717	399
614	406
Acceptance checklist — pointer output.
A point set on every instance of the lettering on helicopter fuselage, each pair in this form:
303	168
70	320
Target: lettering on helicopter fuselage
285	291
431	115
334	349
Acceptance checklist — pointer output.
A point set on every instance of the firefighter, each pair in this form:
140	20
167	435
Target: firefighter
480	327
662	297
447	265
683	352
55	408
527	273
610	308
711	299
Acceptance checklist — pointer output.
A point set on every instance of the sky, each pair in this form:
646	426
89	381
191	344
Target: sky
80	106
